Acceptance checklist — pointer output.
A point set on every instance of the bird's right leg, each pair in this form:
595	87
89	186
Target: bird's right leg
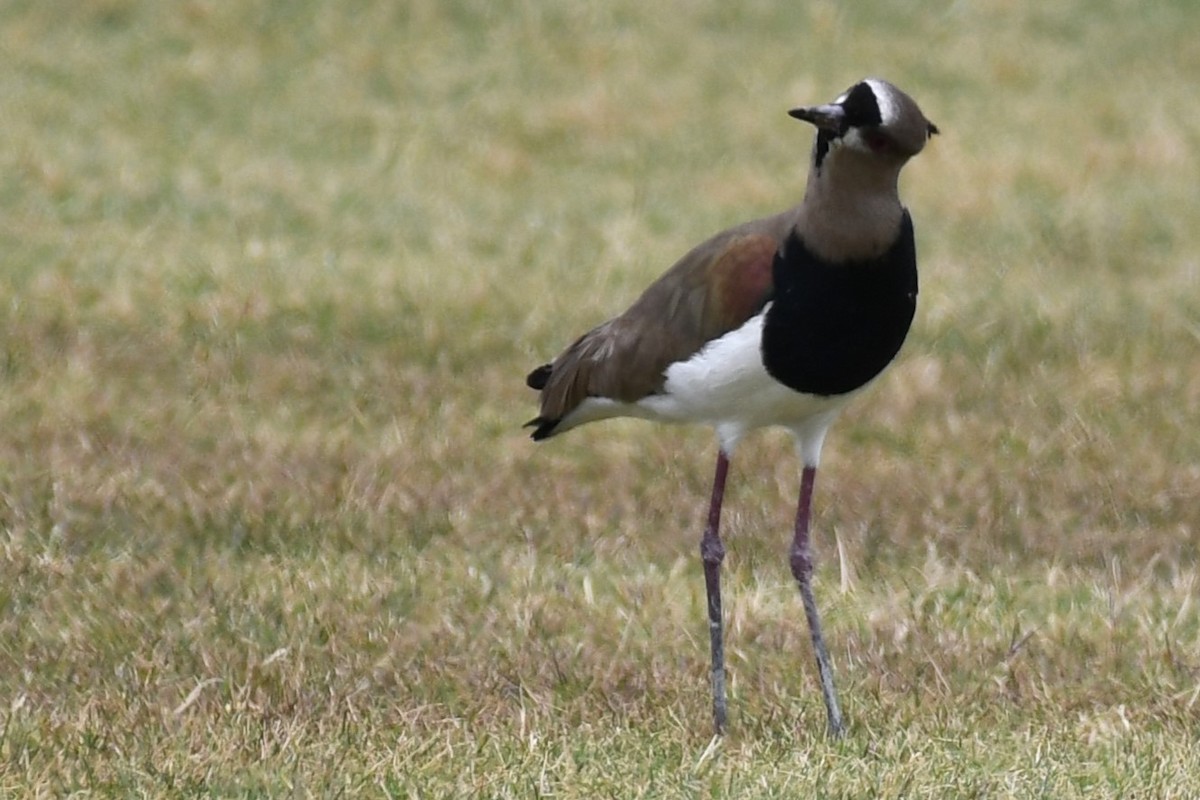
712	551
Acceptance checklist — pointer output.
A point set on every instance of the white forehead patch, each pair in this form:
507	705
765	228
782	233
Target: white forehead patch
889	109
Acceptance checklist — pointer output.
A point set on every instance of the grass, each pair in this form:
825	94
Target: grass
273	273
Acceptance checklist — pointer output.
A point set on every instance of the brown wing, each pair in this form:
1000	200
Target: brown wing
713	289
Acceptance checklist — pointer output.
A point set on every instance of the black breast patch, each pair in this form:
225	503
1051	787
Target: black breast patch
833	327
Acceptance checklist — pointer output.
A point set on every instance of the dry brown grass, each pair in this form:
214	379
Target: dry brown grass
273	274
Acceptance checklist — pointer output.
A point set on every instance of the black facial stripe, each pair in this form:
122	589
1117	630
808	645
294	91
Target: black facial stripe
862	109
822	147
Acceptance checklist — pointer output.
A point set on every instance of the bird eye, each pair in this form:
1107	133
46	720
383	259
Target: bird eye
876	140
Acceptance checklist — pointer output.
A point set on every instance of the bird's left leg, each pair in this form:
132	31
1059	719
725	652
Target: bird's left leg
802	569
712	552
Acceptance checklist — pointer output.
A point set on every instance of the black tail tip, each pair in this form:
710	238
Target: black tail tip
538	378
542	428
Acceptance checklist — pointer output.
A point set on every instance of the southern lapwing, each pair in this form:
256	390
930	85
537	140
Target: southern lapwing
780	321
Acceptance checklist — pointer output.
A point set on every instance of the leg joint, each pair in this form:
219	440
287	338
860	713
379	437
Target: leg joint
802	563
712	549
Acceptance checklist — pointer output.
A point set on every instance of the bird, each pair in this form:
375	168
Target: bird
777	322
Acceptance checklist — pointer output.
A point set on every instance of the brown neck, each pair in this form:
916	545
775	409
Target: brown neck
851	209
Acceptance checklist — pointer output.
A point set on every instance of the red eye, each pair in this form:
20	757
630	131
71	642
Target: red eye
876	140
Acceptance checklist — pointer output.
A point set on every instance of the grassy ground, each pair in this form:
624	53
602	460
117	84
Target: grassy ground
273	274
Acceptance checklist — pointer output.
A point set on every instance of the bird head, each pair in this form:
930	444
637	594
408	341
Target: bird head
872	117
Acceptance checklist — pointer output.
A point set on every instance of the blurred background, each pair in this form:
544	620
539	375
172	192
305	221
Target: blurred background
273	274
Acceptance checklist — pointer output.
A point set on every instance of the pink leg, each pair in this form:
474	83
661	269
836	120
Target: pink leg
802	568
712	552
